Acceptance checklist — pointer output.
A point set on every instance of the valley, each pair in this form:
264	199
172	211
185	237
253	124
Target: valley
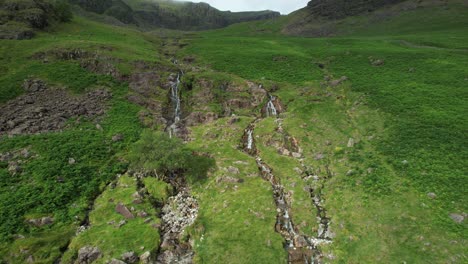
283	139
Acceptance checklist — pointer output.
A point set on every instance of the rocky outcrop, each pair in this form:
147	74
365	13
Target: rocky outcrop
45	109
20	18
179	212
336	9
88	255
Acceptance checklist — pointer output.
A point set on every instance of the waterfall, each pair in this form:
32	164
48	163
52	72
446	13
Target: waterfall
175	98
249	139
271	109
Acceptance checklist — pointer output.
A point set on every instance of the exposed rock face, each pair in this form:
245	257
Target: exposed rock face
87	255
184	16
336	9
196	118
46	109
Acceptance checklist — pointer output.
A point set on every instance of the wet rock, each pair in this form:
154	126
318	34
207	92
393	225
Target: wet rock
299	241
117	138
234	119
88	254
457	218
123	210
432	195
130	257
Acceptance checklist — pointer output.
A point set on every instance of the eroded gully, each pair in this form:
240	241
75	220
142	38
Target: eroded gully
300	247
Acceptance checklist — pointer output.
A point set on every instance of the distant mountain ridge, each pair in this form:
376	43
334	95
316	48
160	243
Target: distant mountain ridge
170	14
336	9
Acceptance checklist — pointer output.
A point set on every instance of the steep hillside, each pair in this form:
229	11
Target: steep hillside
170	14
337	18
236	145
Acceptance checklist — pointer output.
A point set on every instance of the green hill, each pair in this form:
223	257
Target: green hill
170	14
236	145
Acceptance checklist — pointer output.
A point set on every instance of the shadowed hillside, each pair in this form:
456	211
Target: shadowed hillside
169	14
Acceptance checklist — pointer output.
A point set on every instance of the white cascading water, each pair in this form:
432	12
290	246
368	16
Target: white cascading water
271	109
249	139
175	98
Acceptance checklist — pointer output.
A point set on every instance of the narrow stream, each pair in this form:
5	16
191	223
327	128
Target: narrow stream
300	248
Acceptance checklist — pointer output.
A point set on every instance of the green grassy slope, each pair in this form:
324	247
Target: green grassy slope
36	192
411	131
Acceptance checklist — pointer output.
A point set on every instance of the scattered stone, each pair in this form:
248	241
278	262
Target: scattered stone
121	223
45	110
297	170
299	241
339	81
116	261
457	218
351	142
123	210
71	161
34	85
117	138
432	195
39	222
14	169
284	152
145	258
142	214
25	153
241	162
130	257
137	201
319	156
30	259
405	162
229	179
350	173
99	127
233	170
296	155
88	254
